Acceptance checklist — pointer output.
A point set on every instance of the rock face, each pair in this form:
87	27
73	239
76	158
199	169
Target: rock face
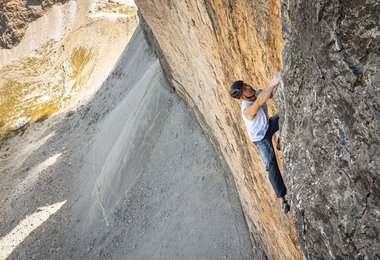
204	47
15	16
329	111
331	108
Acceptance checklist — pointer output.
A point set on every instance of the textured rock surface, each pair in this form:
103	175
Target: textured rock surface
15	16
204	46
331	107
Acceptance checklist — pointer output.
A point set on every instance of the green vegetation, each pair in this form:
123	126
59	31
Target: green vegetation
15	105
34	87
43	111
117	8
79	59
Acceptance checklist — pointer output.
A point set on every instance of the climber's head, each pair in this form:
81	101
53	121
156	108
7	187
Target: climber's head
241	90
236	89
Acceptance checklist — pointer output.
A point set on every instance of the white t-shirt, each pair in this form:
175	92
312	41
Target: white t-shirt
257	127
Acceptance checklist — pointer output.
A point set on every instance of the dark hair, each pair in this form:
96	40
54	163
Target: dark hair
236	89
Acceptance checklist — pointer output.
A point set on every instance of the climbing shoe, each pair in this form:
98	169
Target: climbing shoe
278	146
285	206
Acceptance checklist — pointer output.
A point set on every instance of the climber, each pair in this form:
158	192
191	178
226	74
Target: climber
261	129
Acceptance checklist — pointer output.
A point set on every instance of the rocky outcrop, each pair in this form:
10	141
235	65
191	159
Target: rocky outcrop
16	15
204	47
331	108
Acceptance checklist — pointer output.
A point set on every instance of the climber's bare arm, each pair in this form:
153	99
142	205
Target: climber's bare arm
251	111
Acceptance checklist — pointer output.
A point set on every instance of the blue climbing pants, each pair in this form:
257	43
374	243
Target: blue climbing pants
266	151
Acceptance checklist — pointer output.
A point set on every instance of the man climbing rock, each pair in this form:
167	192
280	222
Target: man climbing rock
261	128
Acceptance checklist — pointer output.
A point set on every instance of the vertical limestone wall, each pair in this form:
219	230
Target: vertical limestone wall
331	131
204	47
